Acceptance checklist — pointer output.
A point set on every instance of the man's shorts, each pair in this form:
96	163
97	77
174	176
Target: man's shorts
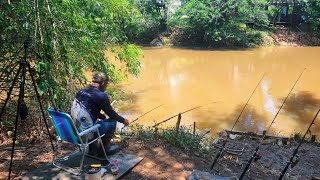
106	125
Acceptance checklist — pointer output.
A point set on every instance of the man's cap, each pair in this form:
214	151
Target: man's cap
100	77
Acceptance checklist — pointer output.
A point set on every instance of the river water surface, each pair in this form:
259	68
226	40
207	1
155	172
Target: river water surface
181	79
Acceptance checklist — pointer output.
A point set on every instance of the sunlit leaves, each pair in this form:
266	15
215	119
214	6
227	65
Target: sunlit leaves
129	55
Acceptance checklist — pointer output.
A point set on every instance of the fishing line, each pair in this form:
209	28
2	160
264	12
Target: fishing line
222	149
143	115
256	154
179	114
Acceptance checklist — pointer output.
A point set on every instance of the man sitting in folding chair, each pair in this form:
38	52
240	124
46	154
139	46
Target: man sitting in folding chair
94	99
68	132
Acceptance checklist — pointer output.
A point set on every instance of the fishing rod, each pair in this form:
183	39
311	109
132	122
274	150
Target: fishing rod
178	115
222	149
143	115
292	161
256	155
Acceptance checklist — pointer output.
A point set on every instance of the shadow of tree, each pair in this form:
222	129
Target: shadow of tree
250	120
163	161
25	158
302	107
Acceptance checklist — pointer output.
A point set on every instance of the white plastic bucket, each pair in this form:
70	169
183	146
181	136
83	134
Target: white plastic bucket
93	174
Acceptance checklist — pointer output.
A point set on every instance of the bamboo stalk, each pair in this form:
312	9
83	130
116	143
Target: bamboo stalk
39	22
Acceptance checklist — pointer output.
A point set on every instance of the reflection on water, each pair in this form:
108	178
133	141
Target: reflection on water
248	120
183	78
268	105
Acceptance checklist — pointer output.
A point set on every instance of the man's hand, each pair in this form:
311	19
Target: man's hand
126	122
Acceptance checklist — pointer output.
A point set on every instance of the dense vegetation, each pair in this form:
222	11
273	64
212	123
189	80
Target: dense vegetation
221	22
226	23
311	11
71	36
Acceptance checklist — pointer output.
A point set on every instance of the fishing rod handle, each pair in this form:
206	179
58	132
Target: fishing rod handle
285	169
221	150
129	124
296	150
217	157
249	163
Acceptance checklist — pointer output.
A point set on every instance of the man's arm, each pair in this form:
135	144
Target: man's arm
101	116
107	108
126	122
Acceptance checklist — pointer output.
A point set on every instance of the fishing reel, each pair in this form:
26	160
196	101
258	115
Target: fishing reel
295	160
257	156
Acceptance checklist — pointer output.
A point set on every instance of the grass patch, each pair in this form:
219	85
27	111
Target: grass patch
184	139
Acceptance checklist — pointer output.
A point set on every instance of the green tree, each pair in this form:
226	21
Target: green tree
221	22
71	36
312	14
149	22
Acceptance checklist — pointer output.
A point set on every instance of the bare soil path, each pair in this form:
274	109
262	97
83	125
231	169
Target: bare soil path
164	161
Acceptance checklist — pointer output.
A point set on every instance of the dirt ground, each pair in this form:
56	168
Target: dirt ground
164	161
286	37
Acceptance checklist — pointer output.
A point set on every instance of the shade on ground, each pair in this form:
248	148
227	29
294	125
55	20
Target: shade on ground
125	162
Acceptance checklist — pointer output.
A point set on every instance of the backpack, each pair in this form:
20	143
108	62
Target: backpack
81	116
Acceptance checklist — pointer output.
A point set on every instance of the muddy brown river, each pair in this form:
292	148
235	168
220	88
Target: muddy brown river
221	81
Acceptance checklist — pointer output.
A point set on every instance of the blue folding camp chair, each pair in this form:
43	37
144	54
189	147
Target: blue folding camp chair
68	132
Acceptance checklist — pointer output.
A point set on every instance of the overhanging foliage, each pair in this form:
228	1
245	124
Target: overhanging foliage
71	36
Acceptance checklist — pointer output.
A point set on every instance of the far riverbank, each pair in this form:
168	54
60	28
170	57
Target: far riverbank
280	36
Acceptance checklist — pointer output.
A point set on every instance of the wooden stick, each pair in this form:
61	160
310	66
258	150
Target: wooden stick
194	128
204	132
178	125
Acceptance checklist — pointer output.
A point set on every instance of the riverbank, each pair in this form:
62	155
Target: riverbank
164	161
174	158
280	36
166	157
288	37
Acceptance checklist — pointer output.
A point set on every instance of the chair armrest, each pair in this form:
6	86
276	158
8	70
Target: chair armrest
89	130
